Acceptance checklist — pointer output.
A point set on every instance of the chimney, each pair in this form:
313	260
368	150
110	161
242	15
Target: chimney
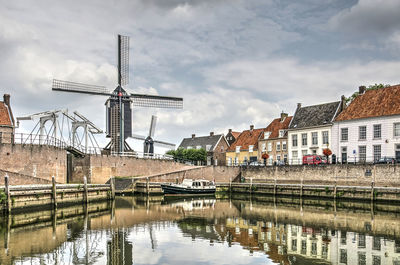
6	98
298	105
251	127
283	116
361	90
193	136
342	103
211	133
230	131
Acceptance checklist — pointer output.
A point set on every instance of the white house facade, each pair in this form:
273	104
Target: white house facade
310	130
366	130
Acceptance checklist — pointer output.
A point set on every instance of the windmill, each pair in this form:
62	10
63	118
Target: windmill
149	142
119	104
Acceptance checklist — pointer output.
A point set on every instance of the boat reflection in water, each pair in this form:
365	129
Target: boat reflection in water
205	230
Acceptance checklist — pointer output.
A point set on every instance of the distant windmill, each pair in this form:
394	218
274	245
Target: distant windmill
119	104
149	142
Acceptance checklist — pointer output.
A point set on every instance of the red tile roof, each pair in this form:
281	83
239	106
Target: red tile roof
373	103
277	125
246	138
4	115
235	134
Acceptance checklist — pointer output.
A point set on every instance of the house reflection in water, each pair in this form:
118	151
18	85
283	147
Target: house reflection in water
119	249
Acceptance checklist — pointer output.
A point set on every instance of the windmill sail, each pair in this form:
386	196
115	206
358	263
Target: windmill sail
154	101
123	60
67	86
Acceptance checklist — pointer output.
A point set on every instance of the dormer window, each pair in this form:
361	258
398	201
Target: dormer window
251	147
281	133
266	135
198	147
237	149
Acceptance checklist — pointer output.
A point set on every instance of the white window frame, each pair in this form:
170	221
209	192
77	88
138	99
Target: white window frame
325	137
266	135
344	134
237	149
396	131
314	138
251	148
362	135
304	138
377	152
294	140
198	147
269	147
281	133
375	131
362	156
208	147
263	147
278	146
284	146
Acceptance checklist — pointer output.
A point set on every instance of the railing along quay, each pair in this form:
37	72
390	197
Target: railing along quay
353	192
24	196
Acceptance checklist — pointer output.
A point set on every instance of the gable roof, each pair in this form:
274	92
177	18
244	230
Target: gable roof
316	115
235	134
246	138
373	103
202	141
5	116
275	126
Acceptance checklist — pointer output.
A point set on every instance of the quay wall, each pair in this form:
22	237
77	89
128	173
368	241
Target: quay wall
99	168
386	175
33	164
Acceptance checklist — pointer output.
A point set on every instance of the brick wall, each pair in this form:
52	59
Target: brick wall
35	161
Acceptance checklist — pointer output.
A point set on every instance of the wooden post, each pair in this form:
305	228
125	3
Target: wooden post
275	186
85	190
251	184
54	192
133	186
230	185
301	188
147	186
372	191
8	195
112	186
334	191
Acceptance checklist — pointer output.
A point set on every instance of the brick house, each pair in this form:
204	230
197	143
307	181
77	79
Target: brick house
369	128
7	122
273	140
214	144
232	136
245	148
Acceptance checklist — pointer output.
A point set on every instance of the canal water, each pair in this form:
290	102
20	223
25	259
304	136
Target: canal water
205	230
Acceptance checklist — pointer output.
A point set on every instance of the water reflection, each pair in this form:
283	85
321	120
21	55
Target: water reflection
240	230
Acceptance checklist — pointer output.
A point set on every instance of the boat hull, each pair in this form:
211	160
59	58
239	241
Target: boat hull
169	189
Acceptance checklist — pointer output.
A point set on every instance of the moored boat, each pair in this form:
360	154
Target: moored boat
189	186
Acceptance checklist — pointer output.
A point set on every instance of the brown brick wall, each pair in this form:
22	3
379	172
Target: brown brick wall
36	161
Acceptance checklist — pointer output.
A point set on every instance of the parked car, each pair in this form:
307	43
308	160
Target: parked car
314	160
386	160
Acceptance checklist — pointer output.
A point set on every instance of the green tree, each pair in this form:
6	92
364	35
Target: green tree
189	154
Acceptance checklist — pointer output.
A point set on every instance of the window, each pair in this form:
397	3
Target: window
304	139
208	147
376	243
294	244
377	131
303	152
198	147
344	154
343	256
377	152
189	147
361	241
294	154
285	158
294	140
236	161
266	135
362	258
362	133
281	133
278	146
362	153
314	138
237	149
251	147
325	137
284	145
278	157
376	260
344	136
269	147
396	129
230	161
263	147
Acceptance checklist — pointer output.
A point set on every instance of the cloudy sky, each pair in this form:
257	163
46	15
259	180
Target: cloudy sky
235	62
